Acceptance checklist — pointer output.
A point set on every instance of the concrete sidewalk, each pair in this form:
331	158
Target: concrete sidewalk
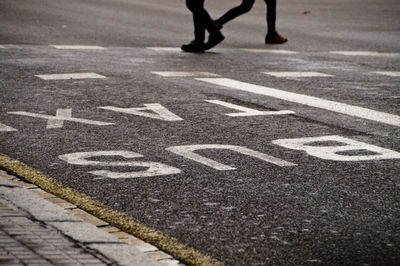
37	228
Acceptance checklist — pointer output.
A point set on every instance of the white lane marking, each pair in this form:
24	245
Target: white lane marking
78	47
187	151
165	49
293	74
4	128
364	53
185	74
62	115
271	51
338	107
389	73
2	47
248	111
70	76
159	111
336	152
154	168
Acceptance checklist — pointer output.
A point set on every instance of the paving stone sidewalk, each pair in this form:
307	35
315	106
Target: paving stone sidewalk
35	231
24	241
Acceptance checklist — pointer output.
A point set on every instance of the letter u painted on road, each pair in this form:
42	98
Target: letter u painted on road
188	152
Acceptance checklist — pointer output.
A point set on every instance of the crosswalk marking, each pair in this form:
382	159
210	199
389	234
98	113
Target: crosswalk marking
364	53
272	51
185	74
333	106
79	47
70	76
389	73
297	74
165	49
1	46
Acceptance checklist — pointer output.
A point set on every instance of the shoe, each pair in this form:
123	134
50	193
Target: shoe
213	40
194	47
275	38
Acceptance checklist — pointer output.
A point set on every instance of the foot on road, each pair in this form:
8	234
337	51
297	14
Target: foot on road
275	38
194	47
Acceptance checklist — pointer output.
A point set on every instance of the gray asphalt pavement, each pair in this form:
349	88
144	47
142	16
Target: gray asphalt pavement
250	153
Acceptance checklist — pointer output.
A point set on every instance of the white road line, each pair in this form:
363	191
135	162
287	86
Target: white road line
308	74
185	74
165	49
2	47
389	73
71	76
244	111
79	47
333	106
272	51
4	128
364	53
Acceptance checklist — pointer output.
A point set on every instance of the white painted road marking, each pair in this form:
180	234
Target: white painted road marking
271	51
187	151
154	168
4	128
78	47
364	53
159	111
2	47
389	73
338	107
248	111
185	74
293	74
71	76
165	49
330	152
62	115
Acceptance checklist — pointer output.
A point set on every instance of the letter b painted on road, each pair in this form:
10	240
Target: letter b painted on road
337	148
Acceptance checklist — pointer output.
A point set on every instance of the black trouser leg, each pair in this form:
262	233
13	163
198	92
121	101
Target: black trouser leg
244	7
201	19
271	15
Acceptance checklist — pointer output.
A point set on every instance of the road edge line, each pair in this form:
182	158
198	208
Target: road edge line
125	223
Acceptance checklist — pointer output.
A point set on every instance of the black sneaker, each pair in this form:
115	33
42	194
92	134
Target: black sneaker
213	40
194	47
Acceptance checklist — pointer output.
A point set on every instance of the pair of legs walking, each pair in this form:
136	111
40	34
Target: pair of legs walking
202	22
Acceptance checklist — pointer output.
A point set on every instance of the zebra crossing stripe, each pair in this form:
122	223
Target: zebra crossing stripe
333	106
185	74
78	47
389	73
272	51
70	76
364	53
307	74
165	49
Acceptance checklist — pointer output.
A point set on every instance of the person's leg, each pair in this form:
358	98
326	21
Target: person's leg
196	7
197	45
244	7
273	36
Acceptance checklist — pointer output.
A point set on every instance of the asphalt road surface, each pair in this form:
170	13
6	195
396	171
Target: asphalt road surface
253	154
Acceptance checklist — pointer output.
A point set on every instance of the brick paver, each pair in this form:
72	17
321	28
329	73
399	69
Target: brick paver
24	241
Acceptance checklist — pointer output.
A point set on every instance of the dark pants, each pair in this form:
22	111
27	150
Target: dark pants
201	20
245	7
